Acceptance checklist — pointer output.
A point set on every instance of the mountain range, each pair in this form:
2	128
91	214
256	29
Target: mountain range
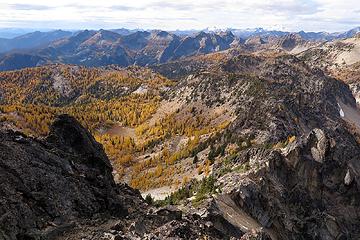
32	40
127	47
100	48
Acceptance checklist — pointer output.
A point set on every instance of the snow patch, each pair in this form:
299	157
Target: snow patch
341	112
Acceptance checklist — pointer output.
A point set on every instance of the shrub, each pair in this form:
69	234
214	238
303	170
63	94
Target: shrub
149	200
200	189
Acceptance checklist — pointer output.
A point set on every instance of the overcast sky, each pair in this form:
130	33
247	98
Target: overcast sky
290	15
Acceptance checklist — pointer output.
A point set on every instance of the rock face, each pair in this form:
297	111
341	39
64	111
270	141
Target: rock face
272	97
309	190
62	187
47	183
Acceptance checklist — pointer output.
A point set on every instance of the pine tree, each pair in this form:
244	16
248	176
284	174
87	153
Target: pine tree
196	159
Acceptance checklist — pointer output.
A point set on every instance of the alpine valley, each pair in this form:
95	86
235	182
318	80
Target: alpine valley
126	134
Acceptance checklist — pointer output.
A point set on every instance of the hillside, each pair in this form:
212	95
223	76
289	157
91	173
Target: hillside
32	40
338	58
335	54
265	136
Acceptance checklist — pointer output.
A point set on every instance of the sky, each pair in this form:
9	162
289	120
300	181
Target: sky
286	15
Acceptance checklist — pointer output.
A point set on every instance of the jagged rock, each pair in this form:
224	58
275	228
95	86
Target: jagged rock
54	181
247	197
256	235
256	156
300	191
188	229
319	145
214	215
67	134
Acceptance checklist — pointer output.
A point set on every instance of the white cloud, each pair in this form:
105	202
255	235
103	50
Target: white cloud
292	15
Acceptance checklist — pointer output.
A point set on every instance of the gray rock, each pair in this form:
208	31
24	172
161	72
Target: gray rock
319	145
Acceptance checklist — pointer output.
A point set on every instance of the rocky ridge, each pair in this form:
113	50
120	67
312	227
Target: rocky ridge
143	48
103	47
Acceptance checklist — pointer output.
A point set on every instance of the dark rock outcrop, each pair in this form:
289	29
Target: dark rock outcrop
47	183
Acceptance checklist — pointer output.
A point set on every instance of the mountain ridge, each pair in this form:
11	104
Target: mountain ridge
143	47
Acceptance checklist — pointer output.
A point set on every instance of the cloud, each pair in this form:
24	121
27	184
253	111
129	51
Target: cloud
353	22
172	5
159	5
170	19
125	8
287	7
290	15
29	7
